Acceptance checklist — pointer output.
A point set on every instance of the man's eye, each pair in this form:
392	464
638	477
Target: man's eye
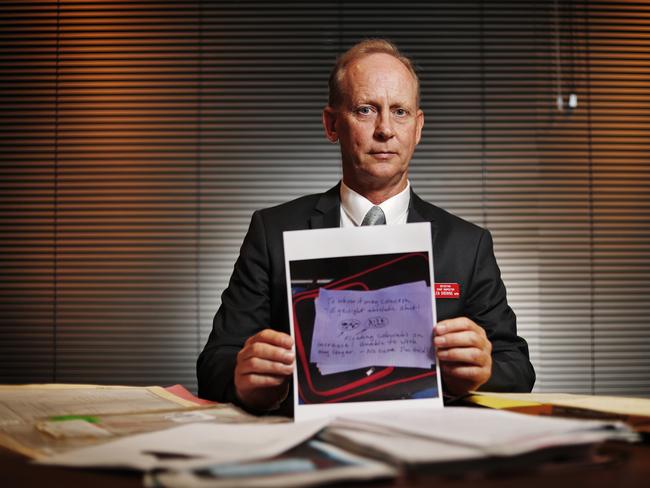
364	110
400	112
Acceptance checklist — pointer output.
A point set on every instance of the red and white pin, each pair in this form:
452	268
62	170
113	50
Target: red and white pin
447	290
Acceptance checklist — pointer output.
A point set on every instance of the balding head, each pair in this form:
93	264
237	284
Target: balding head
358	51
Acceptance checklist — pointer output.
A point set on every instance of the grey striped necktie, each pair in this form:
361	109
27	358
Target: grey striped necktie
375	216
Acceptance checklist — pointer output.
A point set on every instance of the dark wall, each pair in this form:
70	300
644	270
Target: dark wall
138	137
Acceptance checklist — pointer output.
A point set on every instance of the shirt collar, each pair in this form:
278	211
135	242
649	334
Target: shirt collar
356	206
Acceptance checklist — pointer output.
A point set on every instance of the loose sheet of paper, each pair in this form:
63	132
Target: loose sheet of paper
386	327
195	444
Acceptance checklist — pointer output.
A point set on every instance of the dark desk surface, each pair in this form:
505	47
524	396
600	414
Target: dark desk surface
615	465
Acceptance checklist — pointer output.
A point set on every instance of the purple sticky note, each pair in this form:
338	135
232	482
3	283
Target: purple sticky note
391	326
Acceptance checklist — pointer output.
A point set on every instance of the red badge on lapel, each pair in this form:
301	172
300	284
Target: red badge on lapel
447	290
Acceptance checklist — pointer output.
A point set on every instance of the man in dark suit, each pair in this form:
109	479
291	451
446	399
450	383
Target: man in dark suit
374	114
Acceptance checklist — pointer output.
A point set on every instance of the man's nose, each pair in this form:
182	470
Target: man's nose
384	127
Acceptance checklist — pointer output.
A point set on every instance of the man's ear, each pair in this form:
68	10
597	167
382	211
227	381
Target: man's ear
419	120
329	123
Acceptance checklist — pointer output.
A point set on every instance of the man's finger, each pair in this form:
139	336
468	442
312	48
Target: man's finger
266	351
465	338
256	365
273	353
456	325
466	355
273	337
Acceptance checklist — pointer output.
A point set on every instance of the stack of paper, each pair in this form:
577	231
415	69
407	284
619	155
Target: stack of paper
453	434
293	454
423	437
222	446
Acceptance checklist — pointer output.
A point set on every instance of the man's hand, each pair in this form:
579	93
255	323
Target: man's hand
264	366
464	354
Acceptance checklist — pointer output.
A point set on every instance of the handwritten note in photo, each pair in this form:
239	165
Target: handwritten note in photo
391	326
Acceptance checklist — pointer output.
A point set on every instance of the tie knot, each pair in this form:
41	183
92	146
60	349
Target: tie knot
375	216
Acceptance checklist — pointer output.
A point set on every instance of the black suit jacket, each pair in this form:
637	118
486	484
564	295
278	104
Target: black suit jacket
256	296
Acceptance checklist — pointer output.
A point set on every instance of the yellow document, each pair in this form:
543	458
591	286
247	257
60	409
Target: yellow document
607	404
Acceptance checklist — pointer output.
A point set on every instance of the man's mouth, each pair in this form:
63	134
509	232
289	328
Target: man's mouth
382	154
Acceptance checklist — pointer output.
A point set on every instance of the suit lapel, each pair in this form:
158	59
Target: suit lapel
327	212
419	211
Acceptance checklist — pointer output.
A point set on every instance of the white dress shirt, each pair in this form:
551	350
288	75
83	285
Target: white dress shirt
354	207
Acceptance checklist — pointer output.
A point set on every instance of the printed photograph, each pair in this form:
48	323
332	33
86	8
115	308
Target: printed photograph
363	328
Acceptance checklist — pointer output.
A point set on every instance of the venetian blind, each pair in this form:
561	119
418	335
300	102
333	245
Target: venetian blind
138	138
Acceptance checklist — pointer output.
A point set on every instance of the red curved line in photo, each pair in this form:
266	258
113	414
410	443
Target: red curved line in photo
366	271
379	266
379	387
298	297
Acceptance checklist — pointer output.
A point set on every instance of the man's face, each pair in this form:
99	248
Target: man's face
378	124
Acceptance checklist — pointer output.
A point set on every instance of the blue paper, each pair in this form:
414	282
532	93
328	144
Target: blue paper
391	326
